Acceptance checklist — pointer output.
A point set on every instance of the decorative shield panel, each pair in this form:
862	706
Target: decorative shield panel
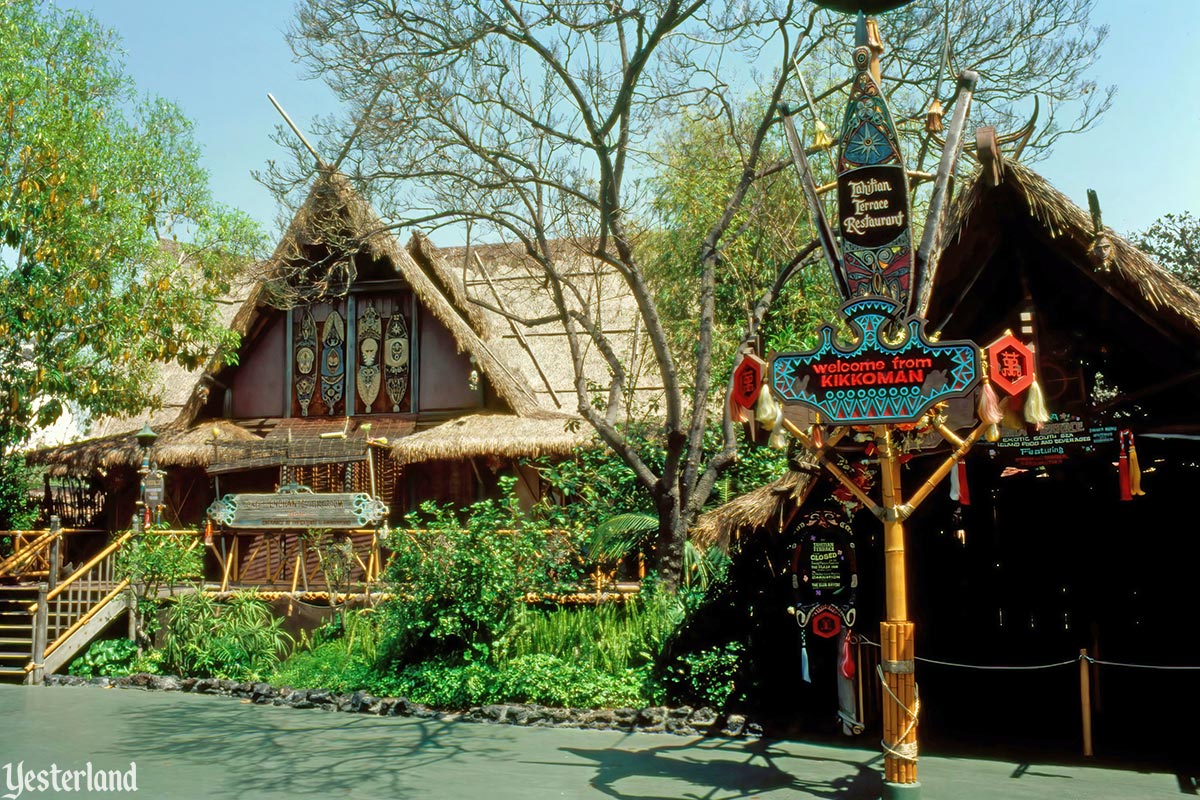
370	337
396	360
333	361
306	359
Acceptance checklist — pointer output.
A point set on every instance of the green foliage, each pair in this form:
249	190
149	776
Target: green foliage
457	583
239	639
1174	242
98	183
705	677
153	560
699	167
105	657
335	557
612	637
17	511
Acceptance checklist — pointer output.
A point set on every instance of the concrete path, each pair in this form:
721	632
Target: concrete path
187	746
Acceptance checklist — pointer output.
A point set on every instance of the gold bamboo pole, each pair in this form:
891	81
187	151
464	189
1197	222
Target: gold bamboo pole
833	468
1085	702
941	472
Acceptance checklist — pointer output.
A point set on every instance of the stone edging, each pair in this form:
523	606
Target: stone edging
683	721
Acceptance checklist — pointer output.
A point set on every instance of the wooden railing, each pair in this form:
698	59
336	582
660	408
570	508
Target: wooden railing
64	608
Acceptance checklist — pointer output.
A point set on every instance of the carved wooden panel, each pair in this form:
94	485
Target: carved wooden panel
306	359
333	361
369	375
396	360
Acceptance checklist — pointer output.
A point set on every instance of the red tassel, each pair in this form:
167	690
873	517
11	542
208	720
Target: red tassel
818	436
964	492
846	662
1123	467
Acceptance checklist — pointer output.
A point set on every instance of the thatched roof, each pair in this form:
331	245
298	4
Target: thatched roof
502	282
500	435
333	194
175	447
1132	276
753	510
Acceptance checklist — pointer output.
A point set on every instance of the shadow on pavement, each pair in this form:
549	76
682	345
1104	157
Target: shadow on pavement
726	771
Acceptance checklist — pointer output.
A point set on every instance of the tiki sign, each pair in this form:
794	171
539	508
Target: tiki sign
890	374
877	253
298	510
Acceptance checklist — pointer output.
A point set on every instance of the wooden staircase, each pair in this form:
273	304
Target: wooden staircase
45	622
16	631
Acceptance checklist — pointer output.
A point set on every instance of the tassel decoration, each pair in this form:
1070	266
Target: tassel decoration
738	414
1036	413
822	140
779	436
933	117
1135	471
846	663
1123	468
804	674
765	409
989	405
818	435
964	489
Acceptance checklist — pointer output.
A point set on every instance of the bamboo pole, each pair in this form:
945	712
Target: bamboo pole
941	472
833	468
1085	702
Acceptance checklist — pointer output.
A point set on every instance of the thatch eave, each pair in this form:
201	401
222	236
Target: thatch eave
497	435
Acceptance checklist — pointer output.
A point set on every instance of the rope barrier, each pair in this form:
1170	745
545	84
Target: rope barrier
1137	666
865	640
1027	667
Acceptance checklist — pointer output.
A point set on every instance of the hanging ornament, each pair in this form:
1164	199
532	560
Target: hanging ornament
1036	413
822	139
933	117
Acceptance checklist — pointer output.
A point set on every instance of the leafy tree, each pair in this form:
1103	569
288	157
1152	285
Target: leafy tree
1174	241
96	185
536	122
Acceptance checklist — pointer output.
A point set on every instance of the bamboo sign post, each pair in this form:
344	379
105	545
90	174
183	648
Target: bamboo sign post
890	376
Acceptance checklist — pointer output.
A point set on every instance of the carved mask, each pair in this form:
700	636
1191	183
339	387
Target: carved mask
370	351
304	359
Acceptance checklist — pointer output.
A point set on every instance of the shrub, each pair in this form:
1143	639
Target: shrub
239	639
457	583
110	657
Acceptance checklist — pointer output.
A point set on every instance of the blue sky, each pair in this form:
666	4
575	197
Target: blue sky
218	59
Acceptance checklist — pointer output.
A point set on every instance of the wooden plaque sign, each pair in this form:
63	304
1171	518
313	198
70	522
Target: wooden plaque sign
153	489
298	510
875	381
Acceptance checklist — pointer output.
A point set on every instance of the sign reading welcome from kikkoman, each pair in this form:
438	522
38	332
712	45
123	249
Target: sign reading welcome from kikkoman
875	381
298	510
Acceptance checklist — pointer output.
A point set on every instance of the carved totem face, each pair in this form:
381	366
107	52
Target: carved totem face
304	359
397	352
370	351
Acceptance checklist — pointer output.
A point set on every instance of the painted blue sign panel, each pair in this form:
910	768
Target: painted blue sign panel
880	379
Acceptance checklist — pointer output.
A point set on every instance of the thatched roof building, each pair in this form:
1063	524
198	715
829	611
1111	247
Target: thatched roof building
484	369
1118	336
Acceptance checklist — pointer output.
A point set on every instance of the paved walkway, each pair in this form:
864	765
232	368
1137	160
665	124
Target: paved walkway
189	746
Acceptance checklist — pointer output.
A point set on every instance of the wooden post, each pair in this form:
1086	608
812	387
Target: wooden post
55	552
41	620
896	636
1085	701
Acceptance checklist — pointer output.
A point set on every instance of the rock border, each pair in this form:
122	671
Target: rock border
681	721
